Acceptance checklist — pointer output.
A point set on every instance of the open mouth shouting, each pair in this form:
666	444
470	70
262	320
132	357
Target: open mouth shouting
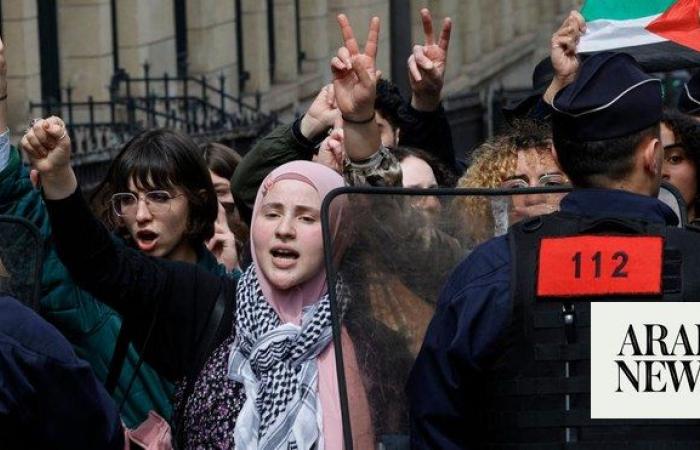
284	257
146	240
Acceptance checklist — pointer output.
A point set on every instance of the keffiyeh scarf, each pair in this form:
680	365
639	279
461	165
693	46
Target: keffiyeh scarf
277	365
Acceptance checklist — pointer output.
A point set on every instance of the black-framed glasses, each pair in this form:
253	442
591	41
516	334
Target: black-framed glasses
127	203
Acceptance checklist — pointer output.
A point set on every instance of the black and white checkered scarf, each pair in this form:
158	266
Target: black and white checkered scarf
276	363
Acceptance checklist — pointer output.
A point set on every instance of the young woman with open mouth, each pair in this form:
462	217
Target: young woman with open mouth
158	198
245	377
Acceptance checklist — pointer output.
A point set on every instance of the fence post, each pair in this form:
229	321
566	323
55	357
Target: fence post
222	93
166	87
112	103
146	70
69	98
205	103
131	113
91	109
127	77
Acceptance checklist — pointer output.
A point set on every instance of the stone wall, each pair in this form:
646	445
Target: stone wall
494	42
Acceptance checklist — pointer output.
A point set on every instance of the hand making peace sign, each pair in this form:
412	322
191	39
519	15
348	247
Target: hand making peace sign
355	74
426	66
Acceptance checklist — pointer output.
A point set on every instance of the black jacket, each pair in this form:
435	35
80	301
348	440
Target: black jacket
179	296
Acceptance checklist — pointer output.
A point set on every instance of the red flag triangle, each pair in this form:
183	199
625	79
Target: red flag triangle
680	24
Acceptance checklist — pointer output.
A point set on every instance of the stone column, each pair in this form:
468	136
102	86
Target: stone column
359	16
21	37
522	16
488	25
286	51
85	41
255	48
470	31
211	41
546	11
452	9
146	33
506	21
314	35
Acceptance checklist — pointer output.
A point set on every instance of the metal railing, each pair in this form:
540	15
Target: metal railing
194	105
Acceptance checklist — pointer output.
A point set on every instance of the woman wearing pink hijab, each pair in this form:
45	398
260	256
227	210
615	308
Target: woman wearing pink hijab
283	352
254	362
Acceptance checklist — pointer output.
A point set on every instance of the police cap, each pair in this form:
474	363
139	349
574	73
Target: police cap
611	97
689	101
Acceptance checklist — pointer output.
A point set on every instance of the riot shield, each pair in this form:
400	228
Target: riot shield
399	246
20	260
672	197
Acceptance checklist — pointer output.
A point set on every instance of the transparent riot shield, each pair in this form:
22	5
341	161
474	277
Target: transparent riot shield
392	252
672	197
20	260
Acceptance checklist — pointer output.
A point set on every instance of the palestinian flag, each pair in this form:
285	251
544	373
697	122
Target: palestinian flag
661	34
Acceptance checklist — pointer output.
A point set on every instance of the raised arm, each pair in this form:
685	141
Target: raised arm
141	288
355	83
424	124
427	64
284	144
563	54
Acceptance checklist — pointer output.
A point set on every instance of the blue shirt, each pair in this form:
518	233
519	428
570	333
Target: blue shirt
48	397
473	309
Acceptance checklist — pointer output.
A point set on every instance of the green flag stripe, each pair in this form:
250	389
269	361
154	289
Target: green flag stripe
623	9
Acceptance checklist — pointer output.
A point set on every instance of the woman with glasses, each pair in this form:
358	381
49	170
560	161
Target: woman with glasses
271	332
680	136
158	198
519	158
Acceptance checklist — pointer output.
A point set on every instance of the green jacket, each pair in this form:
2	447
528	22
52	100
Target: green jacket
90	326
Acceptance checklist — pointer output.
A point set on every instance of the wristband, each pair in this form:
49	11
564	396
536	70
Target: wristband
359	122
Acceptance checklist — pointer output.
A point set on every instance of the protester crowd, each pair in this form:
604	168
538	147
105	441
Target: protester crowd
186	302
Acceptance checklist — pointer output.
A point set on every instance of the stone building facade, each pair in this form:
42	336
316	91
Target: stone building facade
279	48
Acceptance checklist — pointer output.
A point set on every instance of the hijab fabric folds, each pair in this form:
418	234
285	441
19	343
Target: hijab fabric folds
301	310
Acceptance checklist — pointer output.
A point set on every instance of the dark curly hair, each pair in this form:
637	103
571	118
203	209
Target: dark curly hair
388	102
687	132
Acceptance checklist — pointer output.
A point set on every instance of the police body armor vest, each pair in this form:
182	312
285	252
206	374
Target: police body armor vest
538	394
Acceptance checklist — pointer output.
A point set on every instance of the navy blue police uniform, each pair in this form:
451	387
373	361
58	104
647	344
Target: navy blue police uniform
49	399
490	372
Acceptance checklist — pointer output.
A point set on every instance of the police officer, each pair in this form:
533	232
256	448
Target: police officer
689	100
49	398
500	370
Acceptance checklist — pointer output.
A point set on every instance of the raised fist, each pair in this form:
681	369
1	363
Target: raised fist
563	53
331	152
47	145
321	115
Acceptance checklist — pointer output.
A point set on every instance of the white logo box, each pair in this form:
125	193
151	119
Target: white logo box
610	325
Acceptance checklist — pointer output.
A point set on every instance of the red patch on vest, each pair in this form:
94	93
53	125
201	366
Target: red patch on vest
600	265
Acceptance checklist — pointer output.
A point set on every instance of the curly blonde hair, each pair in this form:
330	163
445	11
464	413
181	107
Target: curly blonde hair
492	163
